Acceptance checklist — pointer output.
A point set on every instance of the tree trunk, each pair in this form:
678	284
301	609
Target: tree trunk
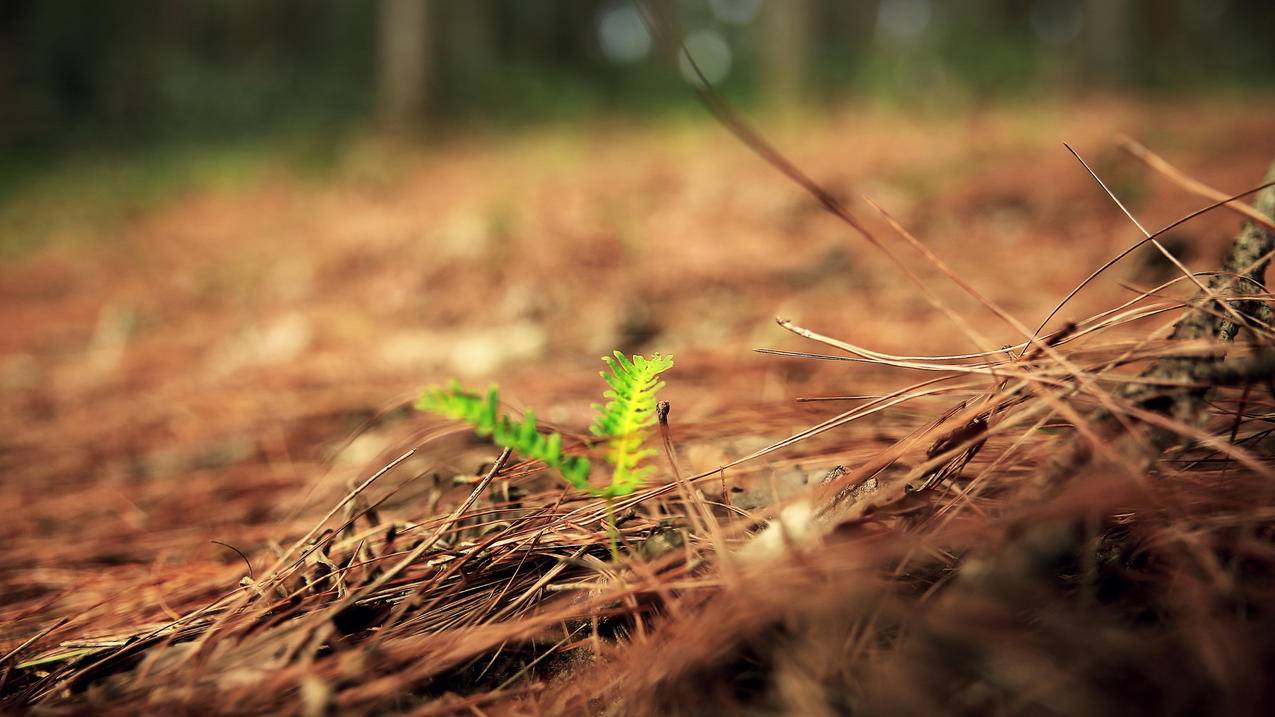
404	61
1107	41
469	46
668	29
785	50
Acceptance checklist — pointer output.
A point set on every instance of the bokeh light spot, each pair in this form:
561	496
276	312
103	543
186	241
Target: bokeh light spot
622	34
711	54
736	12
904	19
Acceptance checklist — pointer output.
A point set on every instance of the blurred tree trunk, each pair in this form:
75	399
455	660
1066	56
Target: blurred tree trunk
1166	24
785	50
668	28
403	61
470	47
1107	41
861	19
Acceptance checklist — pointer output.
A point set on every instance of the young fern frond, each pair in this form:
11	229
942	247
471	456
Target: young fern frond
626	419
483	413
624	422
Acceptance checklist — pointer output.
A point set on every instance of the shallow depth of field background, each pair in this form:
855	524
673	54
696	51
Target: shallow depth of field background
106	111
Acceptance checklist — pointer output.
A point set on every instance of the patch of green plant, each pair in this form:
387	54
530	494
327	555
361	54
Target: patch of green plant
624	422
483	413
626	419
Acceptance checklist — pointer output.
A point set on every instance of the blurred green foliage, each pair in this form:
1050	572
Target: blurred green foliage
76	72
117	104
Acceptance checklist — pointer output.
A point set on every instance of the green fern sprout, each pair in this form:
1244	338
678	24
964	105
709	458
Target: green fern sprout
624	421
483	413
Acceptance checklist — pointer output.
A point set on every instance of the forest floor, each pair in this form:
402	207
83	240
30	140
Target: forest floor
220	369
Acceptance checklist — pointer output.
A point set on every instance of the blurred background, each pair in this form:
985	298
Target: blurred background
75	72
301	75
200	90
110	105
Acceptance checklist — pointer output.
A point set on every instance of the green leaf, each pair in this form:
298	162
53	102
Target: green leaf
627	416
483	414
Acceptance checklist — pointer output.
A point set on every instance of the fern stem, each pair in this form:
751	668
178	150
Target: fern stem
613	532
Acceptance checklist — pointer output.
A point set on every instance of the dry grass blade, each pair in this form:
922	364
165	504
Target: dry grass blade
1175	175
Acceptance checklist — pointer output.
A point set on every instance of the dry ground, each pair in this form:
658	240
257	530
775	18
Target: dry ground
225	367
